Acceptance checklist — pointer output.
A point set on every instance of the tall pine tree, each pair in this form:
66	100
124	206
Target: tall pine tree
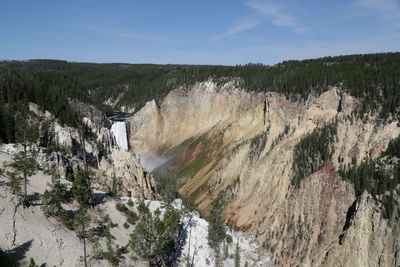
24	164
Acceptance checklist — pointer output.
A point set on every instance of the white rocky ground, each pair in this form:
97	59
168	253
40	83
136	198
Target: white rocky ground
201	254
27	233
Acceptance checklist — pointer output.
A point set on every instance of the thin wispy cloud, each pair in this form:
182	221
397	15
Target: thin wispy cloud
113	32
245	23
273	11
389	7
263	12
387	10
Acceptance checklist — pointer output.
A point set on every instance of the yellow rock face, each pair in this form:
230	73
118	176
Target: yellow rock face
219	138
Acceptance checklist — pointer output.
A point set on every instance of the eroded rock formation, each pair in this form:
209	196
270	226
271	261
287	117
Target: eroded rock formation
109	163
216	138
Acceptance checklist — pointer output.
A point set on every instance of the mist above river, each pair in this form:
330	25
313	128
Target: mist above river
151	161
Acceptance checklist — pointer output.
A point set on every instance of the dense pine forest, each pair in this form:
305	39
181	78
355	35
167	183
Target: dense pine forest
375	78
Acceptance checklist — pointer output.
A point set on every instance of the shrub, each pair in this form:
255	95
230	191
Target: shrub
130	203
167	189
121	207
66	220
32	263
131	217
111	255
393	148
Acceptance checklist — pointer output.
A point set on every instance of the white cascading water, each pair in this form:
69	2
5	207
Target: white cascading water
119	130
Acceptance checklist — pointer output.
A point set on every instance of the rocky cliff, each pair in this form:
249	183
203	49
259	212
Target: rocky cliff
109	163
215	138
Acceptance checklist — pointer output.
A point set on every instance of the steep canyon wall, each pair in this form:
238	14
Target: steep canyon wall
219	139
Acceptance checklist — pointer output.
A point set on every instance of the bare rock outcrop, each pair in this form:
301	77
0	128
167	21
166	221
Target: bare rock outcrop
109	163
91	112
125	167
369	239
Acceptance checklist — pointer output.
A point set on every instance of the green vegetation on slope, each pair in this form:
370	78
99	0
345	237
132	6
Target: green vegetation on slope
379	177
313	151
374	77
193	167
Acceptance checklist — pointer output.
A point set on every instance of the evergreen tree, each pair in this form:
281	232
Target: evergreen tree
84	184
6	261
313	151
81	188
52	199
115	187
15	182
111	253
216	227
47	134
24	163
167	189
32	263
373	78
154	239
81	223
237	255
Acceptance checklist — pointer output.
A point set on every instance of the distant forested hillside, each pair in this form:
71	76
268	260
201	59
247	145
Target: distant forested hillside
375	78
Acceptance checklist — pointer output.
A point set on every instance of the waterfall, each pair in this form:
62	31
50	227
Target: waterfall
119	130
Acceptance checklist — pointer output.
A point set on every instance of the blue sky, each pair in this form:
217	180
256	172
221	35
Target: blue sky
196	32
